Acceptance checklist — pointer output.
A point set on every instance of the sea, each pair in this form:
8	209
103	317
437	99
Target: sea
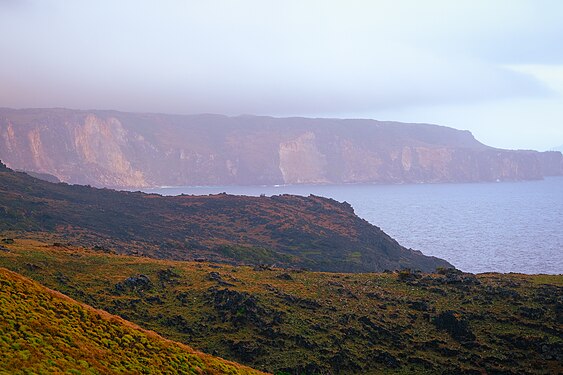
477	227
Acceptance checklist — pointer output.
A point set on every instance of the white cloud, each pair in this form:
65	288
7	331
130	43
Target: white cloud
550	75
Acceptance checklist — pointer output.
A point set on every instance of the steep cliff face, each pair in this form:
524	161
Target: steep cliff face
301	161
115	149
79	148
551	163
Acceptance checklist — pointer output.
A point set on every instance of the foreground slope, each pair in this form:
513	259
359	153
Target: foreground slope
43	331
299	322
312	232
118	149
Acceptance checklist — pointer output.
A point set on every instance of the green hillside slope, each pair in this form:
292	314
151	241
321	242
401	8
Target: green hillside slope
43	331
299	322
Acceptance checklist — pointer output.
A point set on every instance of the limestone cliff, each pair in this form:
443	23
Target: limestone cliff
116	149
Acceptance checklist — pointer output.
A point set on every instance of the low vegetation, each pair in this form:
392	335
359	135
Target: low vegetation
312	232
289	321
43	331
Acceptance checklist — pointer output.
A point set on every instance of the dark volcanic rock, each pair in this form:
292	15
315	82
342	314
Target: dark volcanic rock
387	359
285	276
419	305
456	277
455	325
245	351
137	283
215	276
179	323
168	276
241	308
306	303
532	312
32	266
375	332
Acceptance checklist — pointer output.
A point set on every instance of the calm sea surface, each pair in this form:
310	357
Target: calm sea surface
481	227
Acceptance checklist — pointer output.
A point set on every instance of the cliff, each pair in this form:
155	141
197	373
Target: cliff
116	149
551	163
291	231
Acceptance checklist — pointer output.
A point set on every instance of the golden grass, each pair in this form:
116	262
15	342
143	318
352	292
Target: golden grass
43	330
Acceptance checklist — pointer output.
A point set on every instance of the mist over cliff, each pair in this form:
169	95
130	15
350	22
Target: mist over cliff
117	149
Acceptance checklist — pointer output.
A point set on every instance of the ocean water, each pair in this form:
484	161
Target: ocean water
478	227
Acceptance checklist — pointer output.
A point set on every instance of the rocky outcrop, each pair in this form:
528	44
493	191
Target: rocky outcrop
116	149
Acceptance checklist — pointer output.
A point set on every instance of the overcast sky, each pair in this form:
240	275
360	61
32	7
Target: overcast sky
493	67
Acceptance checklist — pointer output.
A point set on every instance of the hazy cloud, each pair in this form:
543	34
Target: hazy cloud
269	57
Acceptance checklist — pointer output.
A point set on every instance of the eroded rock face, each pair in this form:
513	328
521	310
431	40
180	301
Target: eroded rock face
301	161
551	163
85	149
115	149
102	144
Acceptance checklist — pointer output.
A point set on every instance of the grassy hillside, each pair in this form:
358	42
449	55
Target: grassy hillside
312	232
298	322
43	331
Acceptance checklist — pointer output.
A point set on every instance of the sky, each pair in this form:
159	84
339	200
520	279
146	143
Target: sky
492	67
